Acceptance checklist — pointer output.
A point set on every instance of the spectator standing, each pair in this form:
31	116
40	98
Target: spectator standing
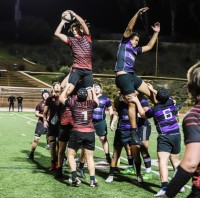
11	100
19	101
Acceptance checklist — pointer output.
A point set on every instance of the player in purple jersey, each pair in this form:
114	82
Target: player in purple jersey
144	132
83	135
126	80
39	130
169	139
51	121
99	117
123	139
190	164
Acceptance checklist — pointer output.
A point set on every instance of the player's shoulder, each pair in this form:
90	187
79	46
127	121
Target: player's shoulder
40	104
103	96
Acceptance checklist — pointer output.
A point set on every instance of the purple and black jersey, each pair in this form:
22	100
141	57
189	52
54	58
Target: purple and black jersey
126	56
99	112
164	117
40	109
141	121
123	121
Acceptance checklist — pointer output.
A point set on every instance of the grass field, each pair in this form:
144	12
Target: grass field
20	178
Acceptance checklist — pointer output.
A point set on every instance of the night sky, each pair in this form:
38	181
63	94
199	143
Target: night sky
111	15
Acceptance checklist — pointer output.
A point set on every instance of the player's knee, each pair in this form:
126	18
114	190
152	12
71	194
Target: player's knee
36	139
52	141
103	138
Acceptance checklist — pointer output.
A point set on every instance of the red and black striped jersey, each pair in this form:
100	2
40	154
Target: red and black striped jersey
82	114
40	109
66	116
191	125
82	51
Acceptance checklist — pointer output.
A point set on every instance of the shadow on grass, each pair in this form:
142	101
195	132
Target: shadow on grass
41	165
129	179
42	144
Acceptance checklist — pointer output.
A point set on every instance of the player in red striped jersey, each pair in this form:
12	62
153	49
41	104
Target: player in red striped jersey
190	164
81	45
39	130
83	135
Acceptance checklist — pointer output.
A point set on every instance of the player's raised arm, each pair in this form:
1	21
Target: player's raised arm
132	22
63	96
149	46
94	96
81	21
58	31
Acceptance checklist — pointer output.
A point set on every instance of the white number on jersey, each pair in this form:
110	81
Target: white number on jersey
167	113
85	116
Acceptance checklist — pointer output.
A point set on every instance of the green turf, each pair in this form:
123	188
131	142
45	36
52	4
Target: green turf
22	178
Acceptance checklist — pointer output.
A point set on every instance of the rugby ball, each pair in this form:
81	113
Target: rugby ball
67	16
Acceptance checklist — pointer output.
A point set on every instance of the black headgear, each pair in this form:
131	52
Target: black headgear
44	91
162	95
82	94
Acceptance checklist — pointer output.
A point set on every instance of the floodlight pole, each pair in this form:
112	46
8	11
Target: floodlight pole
156	69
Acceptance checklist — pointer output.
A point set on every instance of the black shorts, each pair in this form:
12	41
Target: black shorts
84	74
144	132
169	143
122	138
100	128
128	83
53	130
40	130
65	132
84	140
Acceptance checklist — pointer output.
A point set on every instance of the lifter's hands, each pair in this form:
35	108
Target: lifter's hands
156	27
142	10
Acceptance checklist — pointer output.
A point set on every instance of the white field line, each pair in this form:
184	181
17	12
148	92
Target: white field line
123	158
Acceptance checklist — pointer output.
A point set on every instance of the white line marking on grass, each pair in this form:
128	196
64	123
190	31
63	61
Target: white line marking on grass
26	117
29	122
23	134
7	114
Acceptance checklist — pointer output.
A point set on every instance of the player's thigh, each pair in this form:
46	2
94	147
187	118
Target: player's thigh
144	132
87	78
64	132
101	128
125	83
75	140
74	76
88	140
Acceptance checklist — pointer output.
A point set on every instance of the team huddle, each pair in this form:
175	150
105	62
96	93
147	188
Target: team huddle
75	112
